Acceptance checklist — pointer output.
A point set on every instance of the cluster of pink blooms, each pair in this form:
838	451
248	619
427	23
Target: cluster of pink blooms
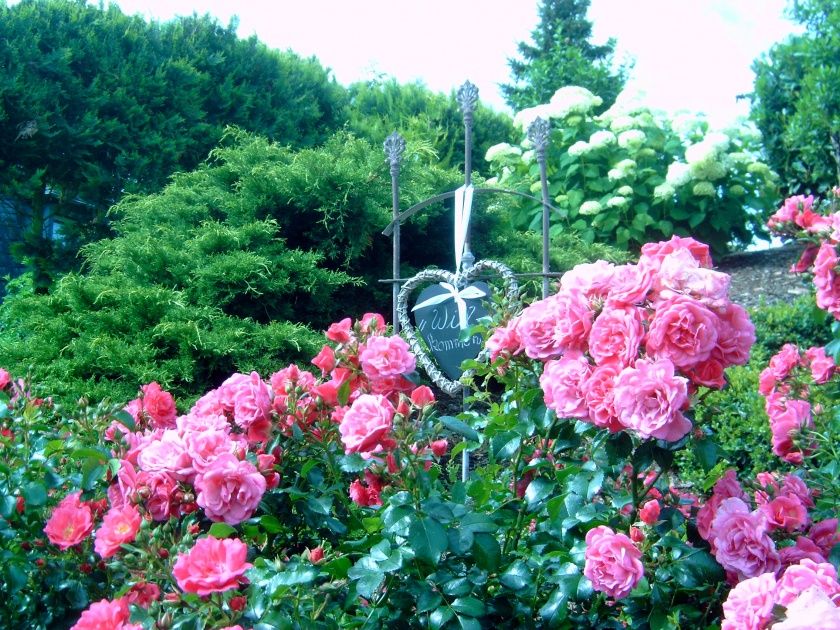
807	590
818	224
613	562
786	384
625	346
766	532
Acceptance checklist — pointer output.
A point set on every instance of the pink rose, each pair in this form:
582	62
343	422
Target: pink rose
684	331
708	373
783	362
211	566
590	279
613	562
794	486
599	393
630	285
826	280
143	594
5	378
167	454
192	423
325	360
824	535
250	399
821	365
648	399
383	357
799	551
681	273
203	447
70	522
616	336
740	541
119	526
366	426
786	426
736	335
749	605
505	341
106	614
422	396
555	325
160	406
649	513
809	254
372	324
785	512
340	332
230	490
366	494
811	610
158	488
562	384
291	380
656	252
807	573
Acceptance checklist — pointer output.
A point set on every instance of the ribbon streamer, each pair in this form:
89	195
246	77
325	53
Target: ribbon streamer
452	293
463	210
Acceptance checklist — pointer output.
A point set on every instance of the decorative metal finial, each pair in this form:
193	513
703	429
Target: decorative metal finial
467	98
394	146
539	132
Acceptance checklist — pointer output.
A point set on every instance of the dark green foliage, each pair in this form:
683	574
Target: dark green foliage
561	54
796	100
377	108
94	104
799	322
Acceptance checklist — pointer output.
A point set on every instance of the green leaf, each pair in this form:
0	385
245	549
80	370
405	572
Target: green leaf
93	470
221	530
707	453
538	490
352	463
469	606
428	539
368	579
338	568
125	418
16	577
440	617
487	552
517	576
299	574
460	427
555	609
270	523
505	444
658	620
428	600
35	494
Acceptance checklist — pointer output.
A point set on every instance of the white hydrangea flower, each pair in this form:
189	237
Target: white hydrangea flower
524	118
590	207
678	174
626	165
664	191
631	139
572	99
737	190
617	202
580	147
503	149
701	152
601	139
616	174
740	157
625	191
758	168
645	153
708	170
704	189
528	156
622	122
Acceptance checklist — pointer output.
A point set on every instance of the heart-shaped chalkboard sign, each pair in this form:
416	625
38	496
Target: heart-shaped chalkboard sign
444	311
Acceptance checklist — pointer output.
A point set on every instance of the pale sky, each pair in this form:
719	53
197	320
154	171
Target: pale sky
689	54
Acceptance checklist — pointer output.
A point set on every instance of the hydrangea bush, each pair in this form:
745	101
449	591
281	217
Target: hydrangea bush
629	175
332	497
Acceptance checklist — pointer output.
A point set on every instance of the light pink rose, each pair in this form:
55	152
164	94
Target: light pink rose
613	562
590	279
811	610
106	614
681	274
683	331
290	380
555	325
191	423
230	490
160	405
749	605
616	336
562	384
807	573
250	399
383	357
167	454
118	526
211	566
366	425
740	541
599	392
158	490
655	252
630	285
736	335
210	405
204	447
372	324
649	398
785	425
821	365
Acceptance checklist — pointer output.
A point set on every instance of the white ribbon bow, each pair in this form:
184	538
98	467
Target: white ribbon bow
452	293
463	209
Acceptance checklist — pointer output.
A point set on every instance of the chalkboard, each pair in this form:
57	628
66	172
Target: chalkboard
439	325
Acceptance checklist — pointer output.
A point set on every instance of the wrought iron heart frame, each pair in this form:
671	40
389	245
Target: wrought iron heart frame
459	280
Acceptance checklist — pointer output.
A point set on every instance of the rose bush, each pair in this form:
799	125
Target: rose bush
333	498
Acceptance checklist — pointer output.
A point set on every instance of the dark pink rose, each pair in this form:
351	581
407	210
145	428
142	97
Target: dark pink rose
740	541
372	324
211	566
824	535
821	365
422	396
70	523
613	562
340	332
785	512
118	526
5	378
803	548
366	426
708	373
562	384
616	336
809	254
649	398
113	615
160	406
649	513
230	490
684	331
826	279
325	360
384	357
555	325
505	341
